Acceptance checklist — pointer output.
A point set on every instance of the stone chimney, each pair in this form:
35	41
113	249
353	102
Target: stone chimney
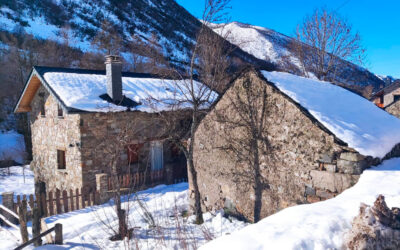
114	77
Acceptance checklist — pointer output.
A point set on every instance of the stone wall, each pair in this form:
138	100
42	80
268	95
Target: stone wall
50	133
389	97
90	140
304	164
103	134
394	109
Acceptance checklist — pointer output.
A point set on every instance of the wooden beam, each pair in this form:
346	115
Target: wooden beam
24	109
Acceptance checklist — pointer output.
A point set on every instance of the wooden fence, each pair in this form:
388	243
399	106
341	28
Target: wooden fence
136	180
59	202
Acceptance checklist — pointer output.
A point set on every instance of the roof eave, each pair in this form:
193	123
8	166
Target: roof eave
34	72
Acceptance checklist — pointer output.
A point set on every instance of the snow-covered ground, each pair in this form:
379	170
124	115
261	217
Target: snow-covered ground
320	225
12	146
18	179
316	226
89	228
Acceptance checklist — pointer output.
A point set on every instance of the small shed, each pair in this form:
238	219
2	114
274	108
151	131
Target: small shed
275	140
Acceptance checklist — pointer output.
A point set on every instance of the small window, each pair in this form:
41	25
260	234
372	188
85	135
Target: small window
157	161
42	108
133	153
61	159
60	111
396	98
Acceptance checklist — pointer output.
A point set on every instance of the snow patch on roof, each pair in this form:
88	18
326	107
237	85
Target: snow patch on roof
82	91
352	118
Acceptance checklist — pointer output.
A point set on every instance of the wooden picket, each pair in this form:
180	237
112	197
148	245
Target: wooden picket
51	207
138	179
59	202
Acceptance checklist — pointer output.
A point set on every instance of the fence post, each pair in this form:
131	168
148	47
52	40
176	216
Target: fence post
59	235
22	213
102	187
36	226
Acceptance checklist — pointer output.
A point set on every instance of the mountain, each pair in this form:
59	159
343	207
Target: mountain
388	79
272	46
163	24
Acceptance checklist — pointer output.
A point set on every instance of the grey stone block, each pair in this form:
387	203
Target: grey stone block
330	167
326	158
351	156
309	191
351	167
333	182
325	194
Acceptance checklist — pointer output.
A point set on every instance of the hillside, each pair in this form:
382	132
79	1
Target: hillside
269	45
163	24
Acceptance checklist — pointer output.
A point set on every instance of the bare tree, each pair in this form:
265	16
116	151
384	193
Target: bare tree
209	63
323	40
108	39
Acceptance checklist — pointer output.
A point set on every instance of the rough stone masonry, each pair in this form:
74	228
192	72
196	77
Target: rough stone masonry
306	163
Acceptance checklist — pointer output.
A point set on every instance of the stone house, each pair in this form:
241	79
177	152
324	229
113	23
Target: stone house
313	143
387	95
394	108
80	119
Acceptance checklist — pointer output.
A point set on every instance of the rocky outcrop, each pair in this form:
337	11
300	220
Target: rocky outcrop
376	227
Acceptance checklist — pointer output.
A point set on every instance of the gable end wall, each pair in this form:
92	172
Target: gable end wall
50	133
306	164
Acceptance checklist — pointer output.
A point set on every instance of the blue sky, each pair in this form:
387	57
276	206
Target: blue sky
377	21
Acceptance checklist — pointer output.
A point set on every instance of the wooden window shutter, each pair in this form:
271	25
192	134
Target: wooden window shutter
133	151
61	163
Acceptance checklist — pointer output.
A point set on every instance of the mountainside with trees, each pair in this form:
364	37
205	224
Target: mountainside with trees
283	51
149	34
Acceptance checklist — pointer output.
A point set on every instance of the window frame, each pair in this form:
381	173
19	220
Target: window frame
42	107
60	111
61	155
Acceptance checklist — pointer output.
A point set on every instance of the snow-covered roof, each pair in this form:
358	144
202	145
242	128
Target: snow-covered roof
353	119
80	90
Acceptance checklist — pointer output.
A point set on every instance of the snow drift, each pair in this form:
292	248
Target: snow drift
320	225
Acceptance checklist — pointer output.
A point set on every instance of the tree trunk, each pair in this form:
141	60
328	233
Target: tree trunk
197	198
193	173
121	214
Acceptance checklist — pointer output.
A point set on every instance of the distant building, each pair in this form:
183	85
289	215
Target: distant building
316	139
78	115
387	95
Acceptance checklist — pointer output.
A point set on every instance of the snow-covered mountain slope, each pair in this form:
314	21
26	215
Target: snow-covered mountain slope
320	225
163	23
269	45
173	25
